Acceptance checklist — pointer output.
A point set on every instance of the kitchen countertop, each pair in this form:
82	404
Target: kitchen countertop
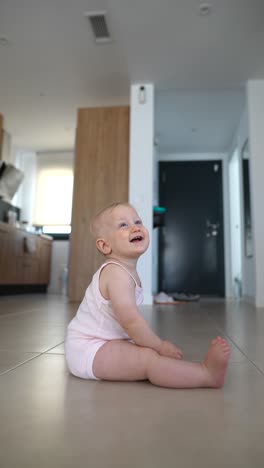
8	226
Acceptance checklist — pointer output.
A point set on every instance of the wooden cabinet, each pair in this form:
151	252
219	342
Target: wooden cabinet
24	258
100	178
7	241
44	247
27	271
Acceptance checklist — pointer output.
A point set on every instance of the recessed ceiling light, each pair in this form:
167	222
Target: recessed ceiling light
205	9
4	41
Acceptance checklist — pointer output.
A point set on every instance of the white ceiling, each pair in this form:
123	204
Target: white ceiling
197	121
52	66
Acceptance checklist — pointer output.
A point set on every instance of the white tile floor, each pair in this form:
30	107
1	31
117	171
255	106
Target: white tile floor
51	419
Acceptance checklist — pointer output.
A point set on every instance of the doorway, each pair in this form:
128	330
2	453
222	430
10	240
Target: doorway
191	244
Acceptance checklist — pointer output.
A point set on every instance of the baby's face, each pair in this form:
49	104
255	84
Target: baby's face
125	232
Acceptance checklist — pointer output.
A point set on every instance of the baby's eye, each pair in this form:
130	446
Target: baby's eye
138	221
122	225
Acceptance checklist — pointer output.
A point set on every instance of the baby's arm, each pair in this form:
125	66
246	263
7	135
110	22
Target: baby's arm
121	291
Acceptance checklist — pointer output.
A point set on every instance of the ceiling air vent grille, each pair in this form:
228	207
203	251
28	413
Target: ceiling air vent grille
99	26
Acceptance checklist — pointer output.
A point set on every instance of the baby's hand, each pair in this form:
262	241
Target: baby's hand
170	350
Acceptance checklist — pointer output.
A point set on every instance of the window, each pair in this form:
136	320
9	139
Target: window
53	201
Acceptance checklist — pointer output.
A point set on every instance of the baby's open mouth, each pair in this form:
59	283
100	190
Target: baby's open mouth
137	239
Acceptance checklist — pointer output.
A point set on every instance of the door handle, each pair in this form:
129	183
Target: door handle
212	228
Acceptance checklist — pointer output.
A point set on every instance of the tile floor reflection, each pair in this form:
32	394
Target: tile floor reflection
52	419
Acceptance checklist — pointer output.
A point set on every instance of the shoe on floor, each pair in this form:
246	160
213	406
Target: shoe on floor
186	297
163	298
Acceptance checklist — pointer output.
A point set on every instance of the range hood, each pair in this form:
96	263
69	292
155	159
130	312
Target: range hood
10	180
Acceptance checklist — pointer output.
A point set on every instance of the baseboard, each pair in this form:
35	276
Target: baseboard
248	299
148	299
12	289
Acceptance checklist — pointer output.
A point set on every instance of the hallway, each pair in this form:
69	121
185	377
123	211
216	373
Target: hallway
52	419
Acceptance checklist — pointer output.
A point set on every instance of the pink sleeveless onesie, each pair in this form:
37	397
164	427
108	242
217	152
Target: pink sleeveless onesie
93	325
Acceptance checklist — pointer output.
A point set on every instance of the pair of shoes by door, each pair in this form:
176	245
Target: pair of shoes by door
165	299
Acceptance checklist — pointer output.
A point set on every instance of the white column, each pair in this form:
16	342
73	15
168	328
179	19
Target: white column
255	100
141	170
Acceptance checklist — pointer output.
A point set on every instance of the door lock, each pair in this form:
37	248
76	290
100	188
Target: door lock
212	229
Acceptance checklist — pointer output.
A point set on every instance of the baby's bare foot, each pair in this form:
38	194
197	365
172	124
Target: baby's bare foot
216	361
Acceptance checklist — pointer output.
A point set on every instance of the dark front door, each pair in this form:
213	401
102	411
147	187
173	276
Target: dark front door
191	248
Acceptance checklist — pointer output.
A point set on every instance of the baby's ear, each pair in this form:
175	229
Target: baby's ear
103	246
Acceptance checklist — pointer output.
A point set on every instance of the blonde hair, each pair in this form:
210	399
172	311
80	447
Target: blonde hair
96	224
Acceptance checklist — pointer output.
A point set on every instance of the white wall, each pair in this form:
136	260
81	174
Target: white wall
155	233
59	261
26	161
248	268
224	159
141	172
235	221
7	154
255	102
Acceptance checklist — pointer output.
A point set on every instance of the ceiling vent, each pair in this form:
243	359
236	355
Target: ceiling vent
99	26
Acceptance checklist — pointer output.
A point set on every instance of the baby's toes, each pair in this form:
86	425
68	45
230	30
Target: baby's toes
224	342
225	347
215	340
179	354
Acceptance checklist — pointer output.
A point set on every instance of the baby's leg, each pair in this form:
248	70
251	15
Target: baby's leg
121	360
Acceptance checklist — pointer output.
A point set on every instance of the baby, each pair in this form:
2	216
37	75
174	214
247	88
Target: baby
108	338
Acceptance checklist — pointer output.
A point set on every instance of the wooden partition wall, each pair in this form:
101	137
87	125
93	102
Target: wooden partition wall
100	178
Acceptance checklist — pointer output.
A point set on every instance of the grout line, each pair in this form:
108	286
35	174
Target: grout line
55	354
20	364
235	344
55	346
31	359
244	354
